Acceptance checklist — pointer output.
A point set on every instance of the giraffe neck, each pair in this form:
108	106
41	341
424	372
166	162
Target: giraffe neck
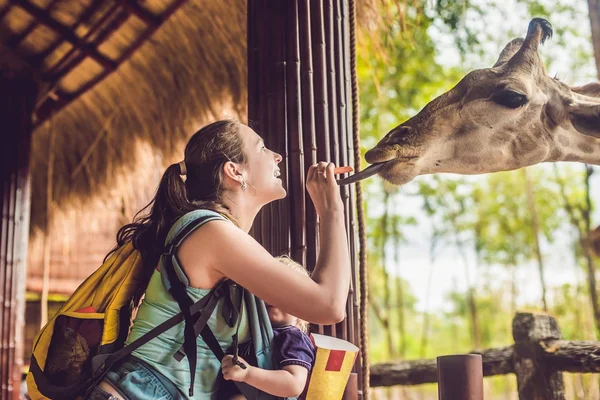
575	146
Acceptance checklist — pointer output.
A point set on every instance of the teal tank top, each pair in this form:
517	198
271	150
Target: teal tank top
158	306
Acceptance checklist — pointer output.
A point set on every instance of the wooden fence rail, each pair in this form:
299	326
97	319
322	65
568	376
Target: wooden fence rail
538	358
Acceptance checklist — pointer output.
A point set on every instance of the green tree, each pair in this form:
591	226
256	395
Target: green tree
519	219
448	201
577	202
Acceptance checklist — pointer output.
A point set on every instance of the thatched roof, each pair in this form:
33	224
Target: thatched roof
112	138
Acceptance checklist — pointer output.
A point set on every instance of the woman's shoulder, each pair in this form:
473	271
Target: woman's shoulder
202	214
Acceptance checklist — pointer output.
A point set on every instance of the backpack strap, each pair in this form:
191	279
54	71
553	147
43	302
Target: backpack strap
101	363
204	314
178	283
196	322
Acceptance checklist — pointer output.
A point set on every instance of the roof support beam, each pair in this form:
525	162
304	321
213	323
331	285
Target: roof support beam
66	33
39	58
141	13
46	107
71	59
17	39
5	11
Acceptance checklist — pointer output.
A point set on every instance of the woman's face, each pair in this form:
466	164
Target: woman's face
262	174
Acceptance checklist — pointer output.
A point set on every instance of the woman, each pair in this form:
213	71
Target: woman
228	170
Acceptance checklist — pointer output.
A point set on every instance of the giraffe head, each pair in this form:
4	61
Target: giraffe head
495	119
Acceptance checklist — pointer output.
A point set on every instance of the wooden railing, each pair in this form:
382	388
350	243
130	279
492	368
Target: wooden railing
537	358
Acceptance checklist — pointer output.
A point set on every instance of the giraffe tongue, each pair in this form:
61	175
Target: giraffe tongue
359	176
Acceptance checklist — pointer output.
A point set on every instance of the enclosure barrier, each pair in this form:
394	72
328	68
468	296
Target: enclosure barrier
537	358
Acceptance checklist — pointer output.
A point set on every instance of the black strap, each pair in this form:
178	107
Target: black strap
179	292
209	338
201	317
235	337
101	363
196	323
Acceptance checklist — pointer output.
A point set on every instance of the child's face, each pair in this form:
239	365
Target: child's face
278	318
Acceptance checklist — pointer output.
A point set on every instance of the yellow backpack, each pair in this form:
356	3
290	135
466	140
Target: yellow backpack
78	345
94	320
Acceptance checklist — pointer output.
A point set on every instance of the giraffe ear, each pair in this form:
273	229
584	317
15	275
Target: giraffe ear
509	50
586	119
591	89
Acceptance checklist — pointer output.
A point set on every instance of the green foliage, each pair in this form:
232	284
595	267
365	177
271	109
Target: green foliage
506	234
399	76
400	70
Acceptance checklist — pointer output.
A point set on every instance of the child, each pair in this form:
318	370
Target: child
295	354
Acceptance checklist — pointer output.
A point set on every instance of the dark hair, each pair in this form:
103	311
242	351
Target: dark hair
205	154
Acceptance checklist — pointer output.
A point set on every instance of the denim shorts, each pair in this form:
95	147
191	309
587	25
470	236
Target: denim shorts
135	379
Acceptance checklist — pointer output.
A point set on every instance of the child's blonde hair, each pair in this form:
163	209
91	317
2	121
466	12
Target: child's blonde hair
302	325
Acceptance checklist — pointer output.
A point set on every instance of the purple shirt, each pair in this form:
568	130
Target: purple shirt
293	347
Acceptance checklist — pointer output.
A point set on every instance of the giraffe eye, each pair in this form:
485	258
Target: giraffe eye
510	99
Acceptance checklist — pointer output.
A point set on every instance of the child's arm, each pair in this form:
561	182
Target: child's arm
286	382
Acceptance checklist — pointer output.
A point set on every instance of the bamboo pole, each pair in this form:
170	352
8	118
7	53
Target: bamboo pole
296	167
332	52
18	91
253	79
7	246
278	134
320	80
47	235
308	120
299	80
344	150
353	226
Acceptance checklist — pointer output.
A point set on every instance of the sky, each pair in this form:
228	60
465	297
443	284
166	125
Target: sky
431	283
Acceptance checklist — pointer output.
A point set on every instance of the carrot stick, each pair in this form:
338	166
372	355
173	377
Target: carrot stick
342	170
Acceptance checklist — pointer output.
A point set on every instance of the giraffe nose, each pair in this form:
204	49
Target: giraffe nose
398	135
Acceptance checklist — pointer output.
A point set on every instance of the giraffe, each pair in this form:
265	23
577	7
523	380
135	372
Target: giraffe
495	119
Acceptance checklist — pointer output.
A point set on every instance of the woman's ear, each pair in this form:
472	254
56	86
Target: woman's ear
233	171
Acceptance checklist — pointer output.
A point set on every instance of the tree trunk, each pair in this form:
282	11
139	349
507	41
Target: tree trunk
594	8
513	289
385	315
400	305
591	267
471	302
474	318
585	246
425	331
535	227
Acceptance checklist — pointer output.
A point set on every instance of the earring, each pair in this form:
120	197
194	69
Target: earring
243	185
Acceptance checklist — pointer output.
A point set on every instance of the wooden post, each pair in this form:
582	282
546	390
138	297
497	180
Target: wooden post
460	376
298	101
536	379
17	99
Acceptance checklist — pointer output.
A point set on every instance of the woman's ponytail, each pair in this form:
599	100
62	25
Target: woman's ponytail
152	223
205	155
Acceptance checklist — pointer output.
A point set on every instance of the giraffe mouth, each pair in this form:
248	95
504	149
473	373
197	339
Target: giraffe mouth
364	174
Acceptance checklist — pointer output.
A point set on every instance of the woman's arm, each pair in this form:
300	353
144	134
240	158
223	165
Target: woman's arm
219	249
286	382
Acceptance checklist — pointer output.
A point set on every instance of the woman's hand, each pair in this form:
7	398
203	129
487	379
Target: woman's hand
232	371
323	189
